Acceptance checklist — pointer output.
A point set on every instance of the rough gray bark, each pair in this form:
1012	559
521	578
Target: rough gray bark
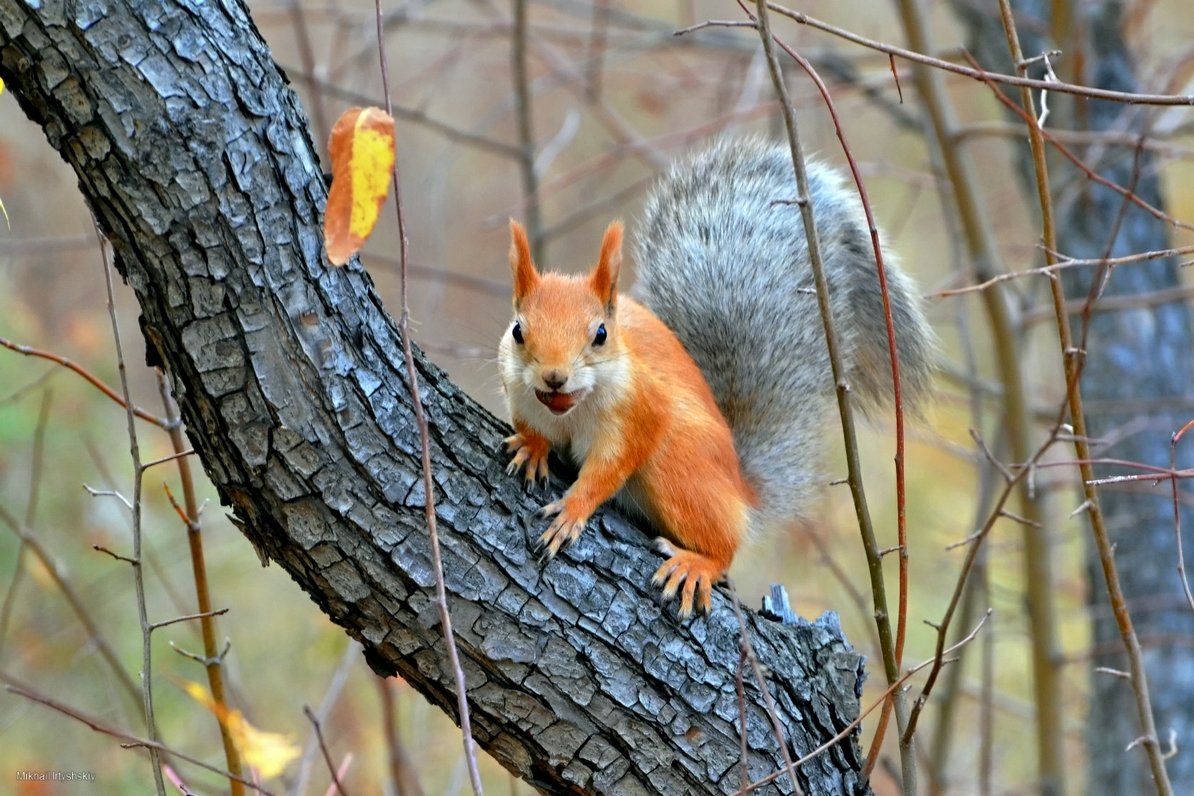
196	161
1137	385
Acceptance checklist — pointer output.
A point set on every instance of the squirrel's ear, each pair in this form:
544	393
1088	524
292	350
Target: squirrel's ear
604	278
522	267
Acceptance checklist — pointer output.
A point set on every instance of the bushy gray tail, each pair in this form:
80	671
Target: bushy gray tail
722	258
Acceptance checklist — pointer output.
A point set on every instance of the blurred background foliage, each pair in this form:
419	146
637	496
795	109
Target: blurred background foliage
615	97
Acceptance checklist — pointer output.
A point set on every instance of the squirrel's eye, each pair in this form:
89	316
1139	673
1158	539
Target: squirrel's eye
599	338
516	333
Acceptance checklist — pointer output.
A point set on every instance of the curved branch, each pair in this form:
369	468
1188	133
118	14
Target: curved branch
195	158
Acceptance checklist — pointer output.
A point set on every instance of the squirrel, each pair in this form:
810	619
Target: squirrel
702	405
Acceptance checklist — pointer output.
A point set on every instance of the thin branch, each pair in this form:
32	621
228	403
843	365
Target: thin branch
327	756
573	79
188	618
1090	173
167	459
204	660
425	443
526	131
403	777
1123	138
37	460
1160	474
891	647
335	688
1061	262
138	571
973	222
1152	748
76	602
117	556
128	741
747	650
91	378
1127	97
189	514
882	699
112	493
974	543
302	38
414	116
1177	515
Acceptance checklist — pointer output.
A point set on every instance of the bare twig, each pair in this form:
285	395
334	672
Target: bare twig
188	618
978	74
412	115
91	378
882	699
336	684
1072	364
890	647
113	554
574	80
112	493
403	777
526	131
424	438
740	691
327	756
1069	155
204	660
189	514
972	217
747	650
37	460
1177	515
302	38
1156	474
974	543
128	741
169	458
77	603
138	571
1061	263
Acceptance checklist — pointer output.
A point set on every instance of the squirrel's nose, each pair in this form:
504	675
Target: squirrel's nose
555	379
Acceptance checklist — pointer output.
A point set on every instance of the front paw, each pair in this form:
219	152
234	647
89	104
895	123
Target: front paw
689	573
531	452
565	529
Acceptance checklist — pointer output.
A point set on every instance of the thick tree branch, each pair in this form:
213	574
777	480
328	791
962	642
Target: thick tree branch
195	158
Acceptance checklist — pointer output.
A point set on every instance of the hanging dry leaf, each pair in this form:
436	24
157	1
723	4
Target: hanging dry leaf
362	151
267	752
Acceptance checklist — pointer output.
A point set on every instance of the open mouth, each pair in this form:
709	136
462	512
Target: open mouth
558	402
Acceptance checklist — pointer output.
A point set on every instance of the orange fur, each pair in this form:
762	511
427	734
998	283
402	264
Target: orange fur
641	421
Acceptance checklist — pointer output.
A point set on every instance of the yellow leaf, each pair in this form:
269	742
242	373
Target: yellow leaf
362	152
268	752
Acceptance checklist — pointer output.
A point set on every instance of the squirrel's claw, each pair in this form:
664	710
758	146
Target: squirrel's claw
532	453
691	574
563	531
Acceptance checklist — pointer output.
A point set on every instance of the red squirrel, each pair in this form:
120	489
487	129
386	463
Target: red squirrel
703	409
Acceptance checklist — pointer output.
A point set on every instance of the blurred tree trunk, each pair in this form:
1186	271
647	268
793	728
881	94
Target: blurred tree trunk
195	158
1138	379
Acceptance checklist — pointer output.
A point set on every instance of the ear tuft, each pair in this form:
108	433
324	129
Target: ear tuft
603	280
522	267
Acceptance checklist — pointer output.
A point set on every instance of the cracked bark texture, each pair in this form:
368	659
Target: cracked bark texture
195	158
